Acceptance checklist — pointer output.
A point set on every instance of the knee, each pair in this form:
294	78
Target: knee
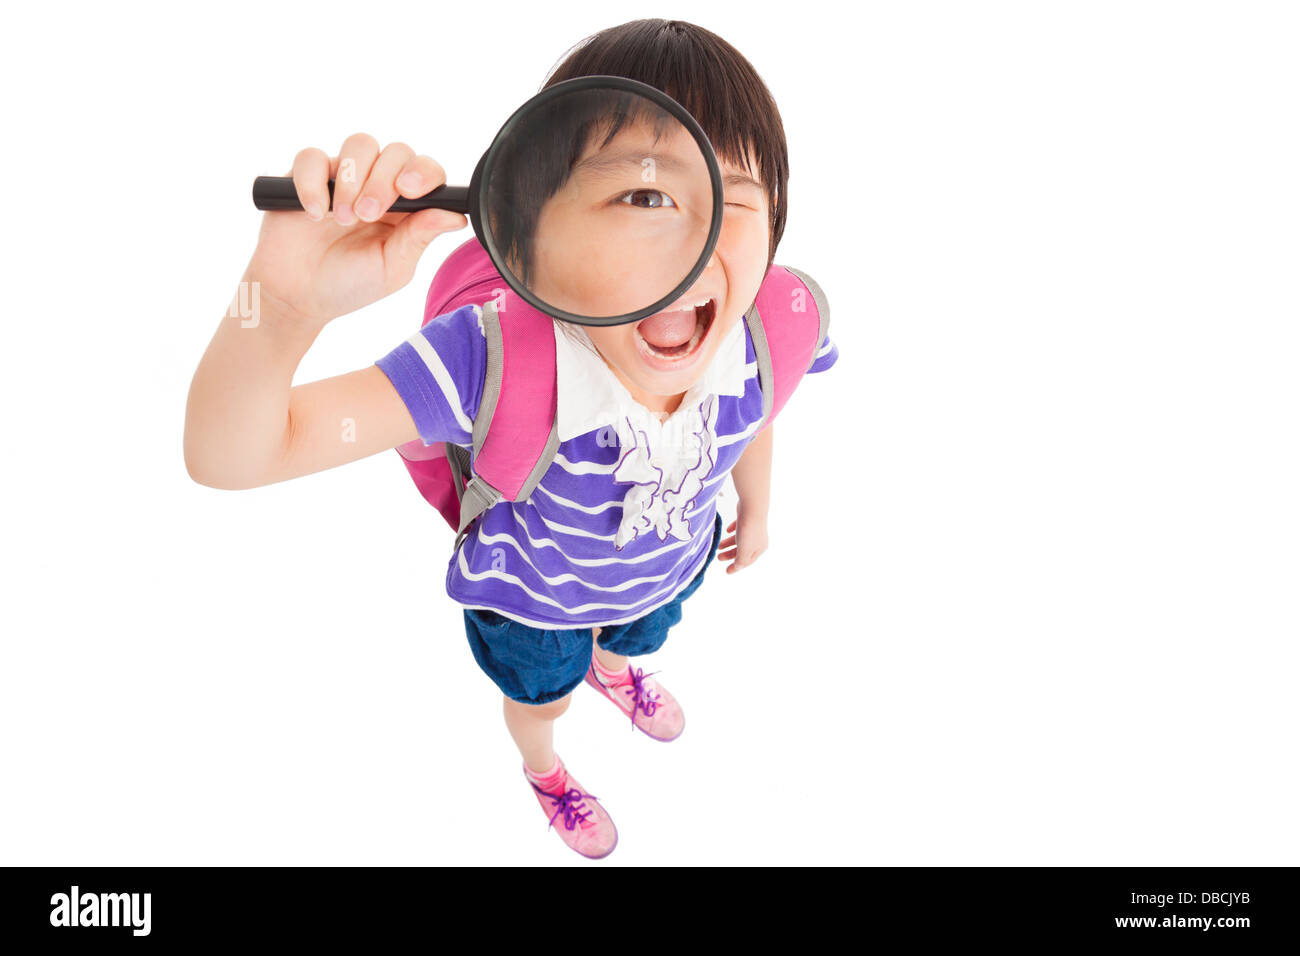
553	709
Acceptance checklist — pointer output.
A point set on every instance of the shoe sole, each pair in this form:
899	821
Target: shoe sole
592	680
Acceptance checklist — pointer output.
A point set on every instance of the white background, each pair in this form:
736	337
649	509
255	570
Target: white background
1031	591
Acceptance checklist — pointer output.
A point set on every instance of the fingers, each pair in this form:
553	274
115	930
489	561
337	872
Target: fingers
733	555
412	236
370	180
356	157
311	171
420	175
738	562
380	191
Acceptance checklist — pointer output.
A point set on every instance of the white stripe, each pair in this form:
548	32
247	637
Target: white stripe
562	578
616	504
551	626
565	502
580	533
440	375
640	609
584	467
724	440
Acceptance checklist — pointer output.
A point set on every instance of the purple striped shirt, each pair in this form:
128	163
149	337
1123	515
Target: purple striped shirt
551	562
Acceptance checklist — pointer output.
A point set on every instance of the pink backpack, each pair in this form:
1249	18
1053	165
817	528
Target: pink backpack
515	437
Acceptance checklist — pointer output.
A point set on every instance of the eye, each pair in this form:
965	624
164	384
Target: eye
648	200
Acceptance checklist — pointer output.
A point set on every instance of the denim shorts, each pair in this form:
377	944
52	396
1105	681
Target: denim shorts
535	666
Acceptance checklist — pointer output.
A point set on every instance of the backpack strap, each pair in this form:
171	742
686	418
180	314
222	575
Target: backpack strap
467	275
515	431
787	322
514	436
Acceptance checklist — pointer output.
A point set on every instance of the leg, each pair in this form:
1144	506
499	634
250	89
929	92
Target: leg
640	697
532	726
611	662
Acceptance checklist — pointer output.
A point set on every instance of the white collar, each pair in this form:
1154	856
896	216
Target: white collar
589	395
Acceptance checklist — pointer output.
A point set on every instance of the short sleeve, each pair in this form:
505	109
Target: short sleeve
439	373
826	356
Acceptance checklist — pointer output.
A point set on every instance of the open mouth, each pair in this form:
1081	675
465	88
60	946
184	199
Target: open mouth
664	350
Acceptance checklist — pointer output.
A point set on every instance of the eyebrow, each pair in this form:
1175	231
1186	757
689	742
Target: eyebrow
740	179
606	162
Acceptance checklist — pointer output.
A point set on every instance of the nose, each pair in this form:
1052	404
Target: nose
708	270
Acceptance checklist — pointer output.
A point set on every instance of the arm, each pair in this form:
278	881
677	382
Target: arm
245	425
752	476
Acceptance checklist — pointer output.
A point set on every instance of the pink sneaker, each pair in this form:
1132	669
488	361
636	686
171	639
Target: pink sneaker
652	709
586	828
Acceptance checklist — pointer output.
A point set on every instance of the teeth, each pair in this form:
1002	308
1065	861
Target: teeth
686	307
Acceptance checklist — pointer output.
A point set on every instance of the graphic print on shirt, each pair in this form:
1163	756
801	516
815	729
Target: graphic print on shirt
668	465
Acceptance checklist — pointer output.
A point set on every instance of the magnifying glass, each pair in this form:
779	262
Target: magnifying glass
599	200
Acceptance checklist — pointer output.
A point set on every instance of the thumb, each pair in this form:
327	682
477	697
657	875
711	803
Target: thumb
402	249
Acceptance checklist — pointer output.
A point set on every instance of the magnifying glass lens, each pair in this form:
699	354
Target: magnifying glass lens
600	202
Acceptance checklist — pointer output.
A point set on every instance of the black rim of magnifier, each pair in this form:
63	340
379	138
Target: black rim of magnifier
477	198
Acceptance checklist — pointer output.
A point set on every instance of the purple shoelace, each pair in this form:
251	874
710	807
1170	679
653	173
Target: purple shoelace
643	697
568	802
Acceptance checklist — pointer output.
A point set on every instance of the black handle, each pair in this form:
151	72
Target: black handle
277	192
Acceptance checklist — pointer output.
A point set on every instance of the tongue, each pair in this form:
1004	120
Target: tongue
667	329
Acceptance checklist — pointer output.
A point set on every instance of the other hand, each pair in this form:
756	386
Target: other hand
749	541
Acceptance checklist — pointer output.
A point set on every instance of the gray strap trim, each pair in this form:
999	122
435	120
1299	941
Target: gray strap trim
479	497
763	357
544	462
492	376
823	308
458	459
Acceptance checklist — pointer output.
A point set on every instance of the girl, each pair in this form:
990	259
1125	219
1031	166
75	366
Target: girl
593	568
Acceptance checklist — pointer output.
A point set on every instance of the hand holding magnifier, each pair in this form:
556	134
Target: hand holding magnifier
599	200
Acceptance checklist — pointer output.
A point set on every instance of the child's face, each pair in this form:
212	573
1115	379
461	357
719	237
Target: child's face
731	278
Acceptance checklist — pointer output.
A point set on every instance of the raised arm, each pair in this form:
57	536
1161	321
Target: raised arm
245	426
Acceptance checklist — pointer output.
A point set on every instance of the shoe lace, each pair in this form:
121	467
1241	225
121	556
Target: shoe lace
643	698
570	803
